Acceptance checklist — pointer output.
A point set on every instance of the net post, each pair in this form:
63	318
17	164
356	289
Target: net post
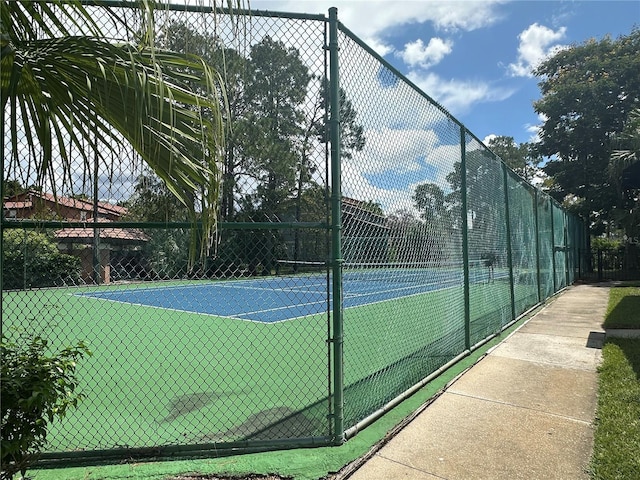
336	230
465	236
509	252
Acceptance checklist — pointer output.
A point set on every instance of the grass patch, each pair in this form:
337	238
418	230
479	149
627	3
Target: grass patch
616	453
623	310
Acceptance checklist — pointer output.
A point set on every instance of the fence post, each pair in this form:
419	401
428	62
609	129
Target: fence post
336	227
580	253
537	230
96	259
600	262
1	224
566	249
509	252
587	246
553	252
465	236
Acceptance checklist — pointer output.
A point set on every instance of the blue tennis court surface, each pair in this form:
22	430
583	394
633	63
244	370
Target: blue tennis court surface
271	299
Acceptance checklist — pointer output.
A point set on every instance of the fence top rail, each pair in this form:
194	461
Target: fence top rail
209	9
53	224
396	72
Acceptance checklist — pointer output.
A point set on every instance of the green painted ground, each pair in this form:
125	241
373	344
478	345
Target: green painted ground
163	377
301	464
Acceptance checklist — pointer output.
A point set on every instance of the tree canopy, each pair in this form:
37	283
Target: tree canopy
588	92
521	158
67	85
272	161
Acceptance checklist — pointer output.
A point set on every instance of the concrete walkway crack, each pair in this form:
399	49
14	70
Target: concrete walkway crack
413	468
500	402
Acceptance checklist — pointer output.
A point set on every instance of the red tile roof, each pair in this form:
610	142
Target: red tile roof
128	235
103	207
17	205
25	201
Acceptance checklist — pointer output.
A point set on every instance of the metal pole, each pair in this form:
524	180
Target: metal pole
579	260
509	253
600	262
587	244
2	223
553	252
96	260
567	251
465	237
537	230
336	226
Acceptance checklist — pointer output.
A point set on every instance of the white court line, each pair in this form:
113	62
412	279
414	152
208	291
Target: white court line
228	284
296	289
375	292
155	306
213	314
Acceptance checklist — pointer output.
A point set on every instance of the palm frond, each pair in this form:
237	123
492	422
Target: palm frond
629	151
63	78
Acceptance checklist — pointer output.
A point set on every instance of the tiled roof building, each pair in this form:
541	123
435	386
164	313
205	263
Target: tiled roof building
79	241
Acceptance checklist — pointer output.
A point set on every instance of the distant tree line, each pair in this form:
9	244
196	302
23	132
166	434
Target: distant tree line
275	115
591	107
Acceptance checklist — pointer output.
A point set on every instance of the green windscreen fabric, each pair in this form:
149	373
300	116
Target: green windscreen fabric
401	237
524	242
545	242
489	275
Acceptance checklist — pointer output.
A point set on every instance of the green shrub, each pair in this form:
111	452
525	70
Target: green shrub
32	260
37	387
602	243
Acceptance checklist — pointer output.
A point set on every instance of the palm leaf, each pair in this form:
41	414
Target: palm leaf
629	151
63	79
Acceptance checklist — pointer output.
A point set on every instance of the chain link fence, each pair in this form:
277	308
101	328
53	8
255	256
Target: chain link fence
355	258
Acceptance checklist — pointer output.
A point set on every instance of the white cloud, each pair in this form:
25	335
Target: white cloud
534	130
417	53
369	19
406	158
488	138
374	16
455	95
359	187
537	43
379	46
398	149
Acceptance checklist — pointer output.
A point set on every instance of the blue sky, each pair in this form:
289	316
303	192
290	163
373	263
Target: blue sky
475	58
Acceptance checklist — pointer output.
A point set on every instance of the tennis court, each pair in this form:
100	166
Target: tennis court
277	299
210	361
441	245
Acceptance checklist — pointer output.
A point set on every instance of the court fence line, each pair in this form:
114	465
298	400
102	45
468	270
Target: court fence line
367	241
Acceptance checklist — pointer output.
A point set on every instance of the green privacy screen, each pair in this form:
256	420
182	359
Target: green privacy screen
366	240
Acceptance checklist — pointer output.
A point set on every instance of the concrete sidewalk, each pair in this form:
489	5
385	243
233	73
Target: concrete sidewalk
525	411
